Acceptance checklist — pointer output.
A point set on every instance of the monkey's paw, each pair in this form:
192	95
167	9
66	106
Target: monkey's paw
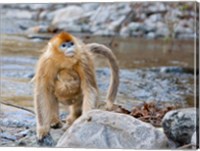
56	125
46	141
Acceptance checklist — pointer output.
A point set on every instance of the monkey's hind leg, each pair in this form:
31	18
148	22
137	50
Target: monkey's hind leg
75	111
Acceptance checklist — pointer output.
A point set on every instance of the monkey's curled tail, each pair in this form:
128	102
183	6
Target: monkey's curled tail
114	80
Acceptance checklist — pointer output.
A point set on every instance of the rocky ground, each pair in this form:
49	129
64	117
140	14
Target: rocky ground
137	19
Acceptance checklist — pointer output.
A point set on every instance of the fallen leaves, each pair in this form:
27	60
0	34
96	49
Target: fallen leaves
148	112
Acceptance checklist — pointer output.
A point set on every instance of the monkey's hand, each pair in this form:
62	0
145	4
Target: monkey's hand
46	141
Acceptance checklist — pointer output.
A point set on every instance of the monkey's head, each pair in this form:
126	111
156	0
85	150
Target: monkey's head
64	43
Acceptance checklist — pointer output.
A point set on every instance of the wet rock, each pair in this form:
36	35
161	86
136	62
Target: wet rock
151	35
102	129
67	14
179	125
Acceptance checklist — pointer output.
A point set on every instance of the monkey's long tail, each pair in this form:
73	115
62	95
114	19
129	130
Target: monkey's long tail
114	80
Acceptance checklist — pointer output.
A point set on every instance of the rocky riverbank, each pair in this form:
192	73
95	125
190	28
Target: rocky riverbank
149	20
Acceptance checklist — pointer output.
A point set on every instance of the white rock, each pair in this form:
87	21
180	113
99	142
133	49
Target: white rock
103	129
67	14
193	140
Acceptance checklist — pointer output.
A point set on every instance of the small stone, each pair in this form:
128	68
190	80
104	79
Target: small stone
179	125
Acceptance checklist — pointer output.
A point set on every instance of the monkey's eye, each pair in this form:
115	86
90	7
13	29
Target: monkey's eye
67	45
63	45
71	43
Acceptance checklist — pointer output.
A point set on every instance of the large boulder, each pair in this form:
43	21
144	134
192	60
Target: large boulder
67	14
179	125
103	129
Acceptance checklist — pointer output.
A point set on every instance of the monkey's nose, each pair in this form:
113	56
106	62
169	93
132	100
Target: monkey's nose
69	44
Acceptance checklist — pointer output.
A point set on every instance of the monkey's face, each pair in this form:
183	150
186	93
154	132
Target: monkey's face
68	48
64	44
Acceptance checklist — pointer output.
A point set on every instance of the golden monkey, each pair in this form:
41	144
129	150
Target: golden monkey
65	73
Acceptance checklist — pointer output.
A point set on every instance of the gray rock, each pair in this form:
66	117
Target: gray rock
179	125
155	18
134	26
156	7
162	30
149	26
103	129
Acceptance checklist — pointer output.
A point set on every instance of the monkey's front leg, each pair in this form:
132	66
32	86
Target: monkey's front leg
44	108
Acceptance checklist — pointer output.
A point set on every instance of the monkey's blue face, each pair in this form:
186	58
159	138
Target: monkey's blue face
68	48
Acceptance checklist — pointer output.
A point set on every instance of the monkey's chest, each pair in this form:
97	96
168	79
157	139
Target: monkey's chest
68	87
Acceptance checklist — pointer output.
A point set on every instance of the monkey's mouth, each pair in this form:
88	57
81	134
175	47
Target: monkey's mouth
70	53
